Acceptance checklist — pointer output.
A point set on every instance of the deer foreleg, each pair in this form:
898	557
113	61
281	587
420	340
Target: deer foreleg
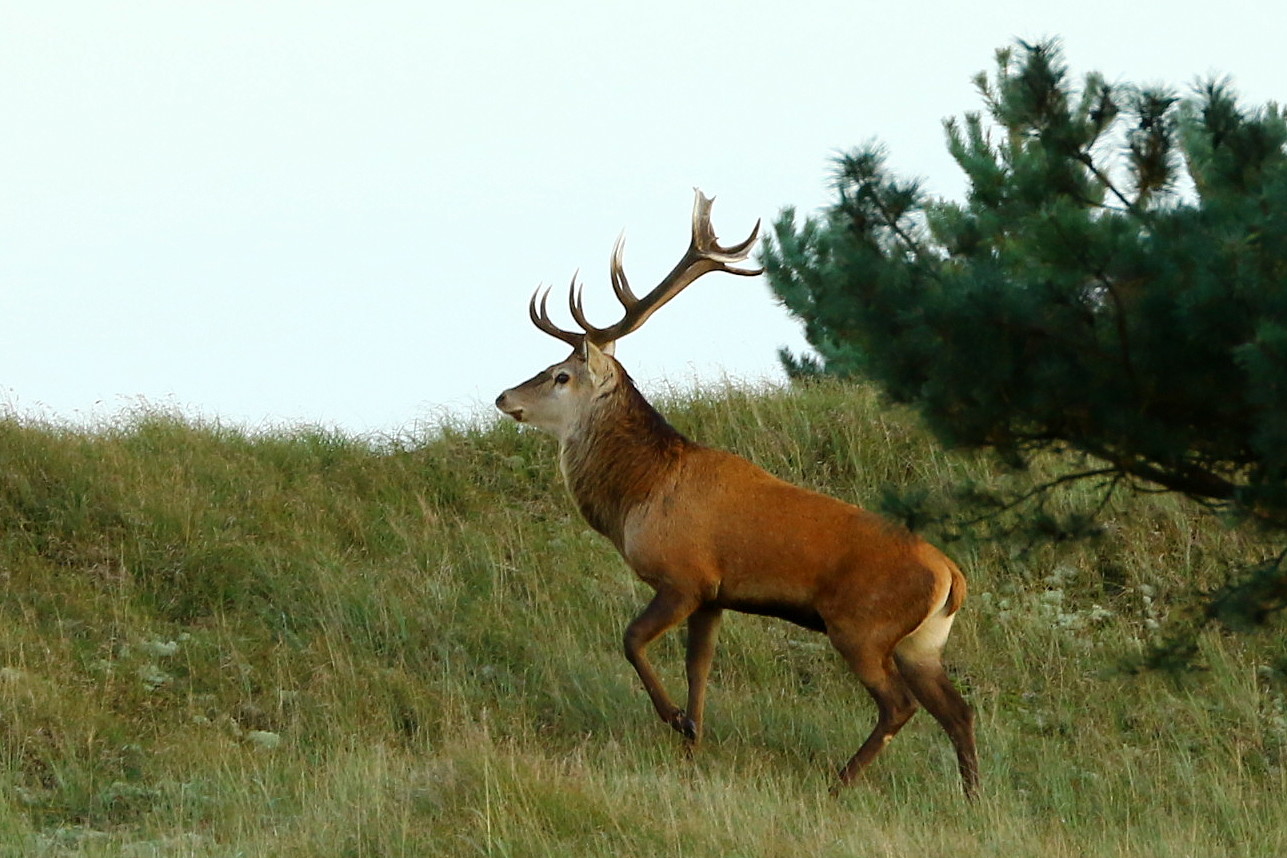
702	628
667	610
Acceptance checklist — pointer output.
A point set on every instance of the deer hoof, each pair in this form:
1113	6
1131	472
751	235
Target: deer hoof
684	725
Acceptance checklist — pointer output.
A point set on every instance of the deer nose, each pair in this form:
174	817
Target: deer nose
502	402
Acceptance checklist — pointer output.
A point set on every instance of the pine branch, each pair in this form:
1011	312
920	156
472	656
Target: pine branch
1087	160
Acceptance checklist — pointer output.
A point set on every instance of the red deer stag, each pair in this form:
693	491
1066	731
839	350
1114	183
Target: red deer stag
708	530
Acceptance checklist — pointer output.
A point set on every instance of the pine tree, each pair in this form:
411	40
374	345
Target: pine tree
1115	282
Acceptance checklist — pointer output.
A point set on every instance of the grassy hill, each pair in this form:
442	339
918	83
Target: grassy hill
296	643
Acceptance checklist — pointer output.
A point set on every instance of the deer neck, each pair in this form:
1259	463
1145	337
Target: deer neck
615	457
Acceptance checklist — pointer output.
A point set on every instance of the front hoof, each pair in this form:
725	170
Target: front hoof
684	725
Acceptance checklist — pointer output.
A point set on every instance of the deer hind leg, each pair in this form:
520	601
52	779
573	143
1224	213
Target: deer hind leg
930	683
873	662
667	610
702	628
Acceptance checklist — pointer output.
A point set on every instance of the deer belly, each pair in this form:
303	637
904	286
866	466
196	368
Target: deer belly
787	597
793	612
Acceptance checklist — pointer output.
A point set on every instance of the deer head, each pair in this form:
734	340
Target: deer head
557	398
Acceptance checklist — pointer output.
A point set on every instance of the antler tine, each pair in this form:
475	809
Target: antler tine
576	303
739	252
706	245
620	285
541	318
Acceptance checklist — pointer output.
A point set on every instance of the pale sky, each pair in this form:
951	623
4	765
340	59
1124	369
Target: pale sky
276	213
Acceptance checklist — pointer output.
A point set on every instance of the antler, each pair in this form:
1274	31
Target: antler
704	255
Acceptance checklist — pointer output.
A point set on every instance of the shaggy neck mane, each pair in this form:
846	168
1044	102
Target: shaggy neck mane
620	451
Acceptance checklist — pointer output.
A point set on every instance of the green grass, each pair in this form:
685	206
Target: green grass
297	643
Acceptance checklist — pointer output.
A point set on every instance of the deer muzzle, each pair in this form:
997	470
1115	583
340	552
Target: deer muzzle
509	408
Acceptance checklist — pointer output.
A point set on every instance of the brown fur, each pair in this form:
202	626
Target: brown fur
613	465
709	531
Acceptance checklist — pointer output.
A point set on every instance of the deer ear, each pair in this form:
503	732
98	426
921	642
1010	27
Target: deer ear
596	358
583	350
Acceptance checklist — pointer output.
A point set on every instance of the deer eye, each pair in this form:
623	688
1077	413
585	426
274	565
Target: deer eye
562	378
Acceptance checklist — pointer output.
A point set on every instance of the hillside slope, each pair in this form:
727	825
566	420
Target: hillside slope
304	644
